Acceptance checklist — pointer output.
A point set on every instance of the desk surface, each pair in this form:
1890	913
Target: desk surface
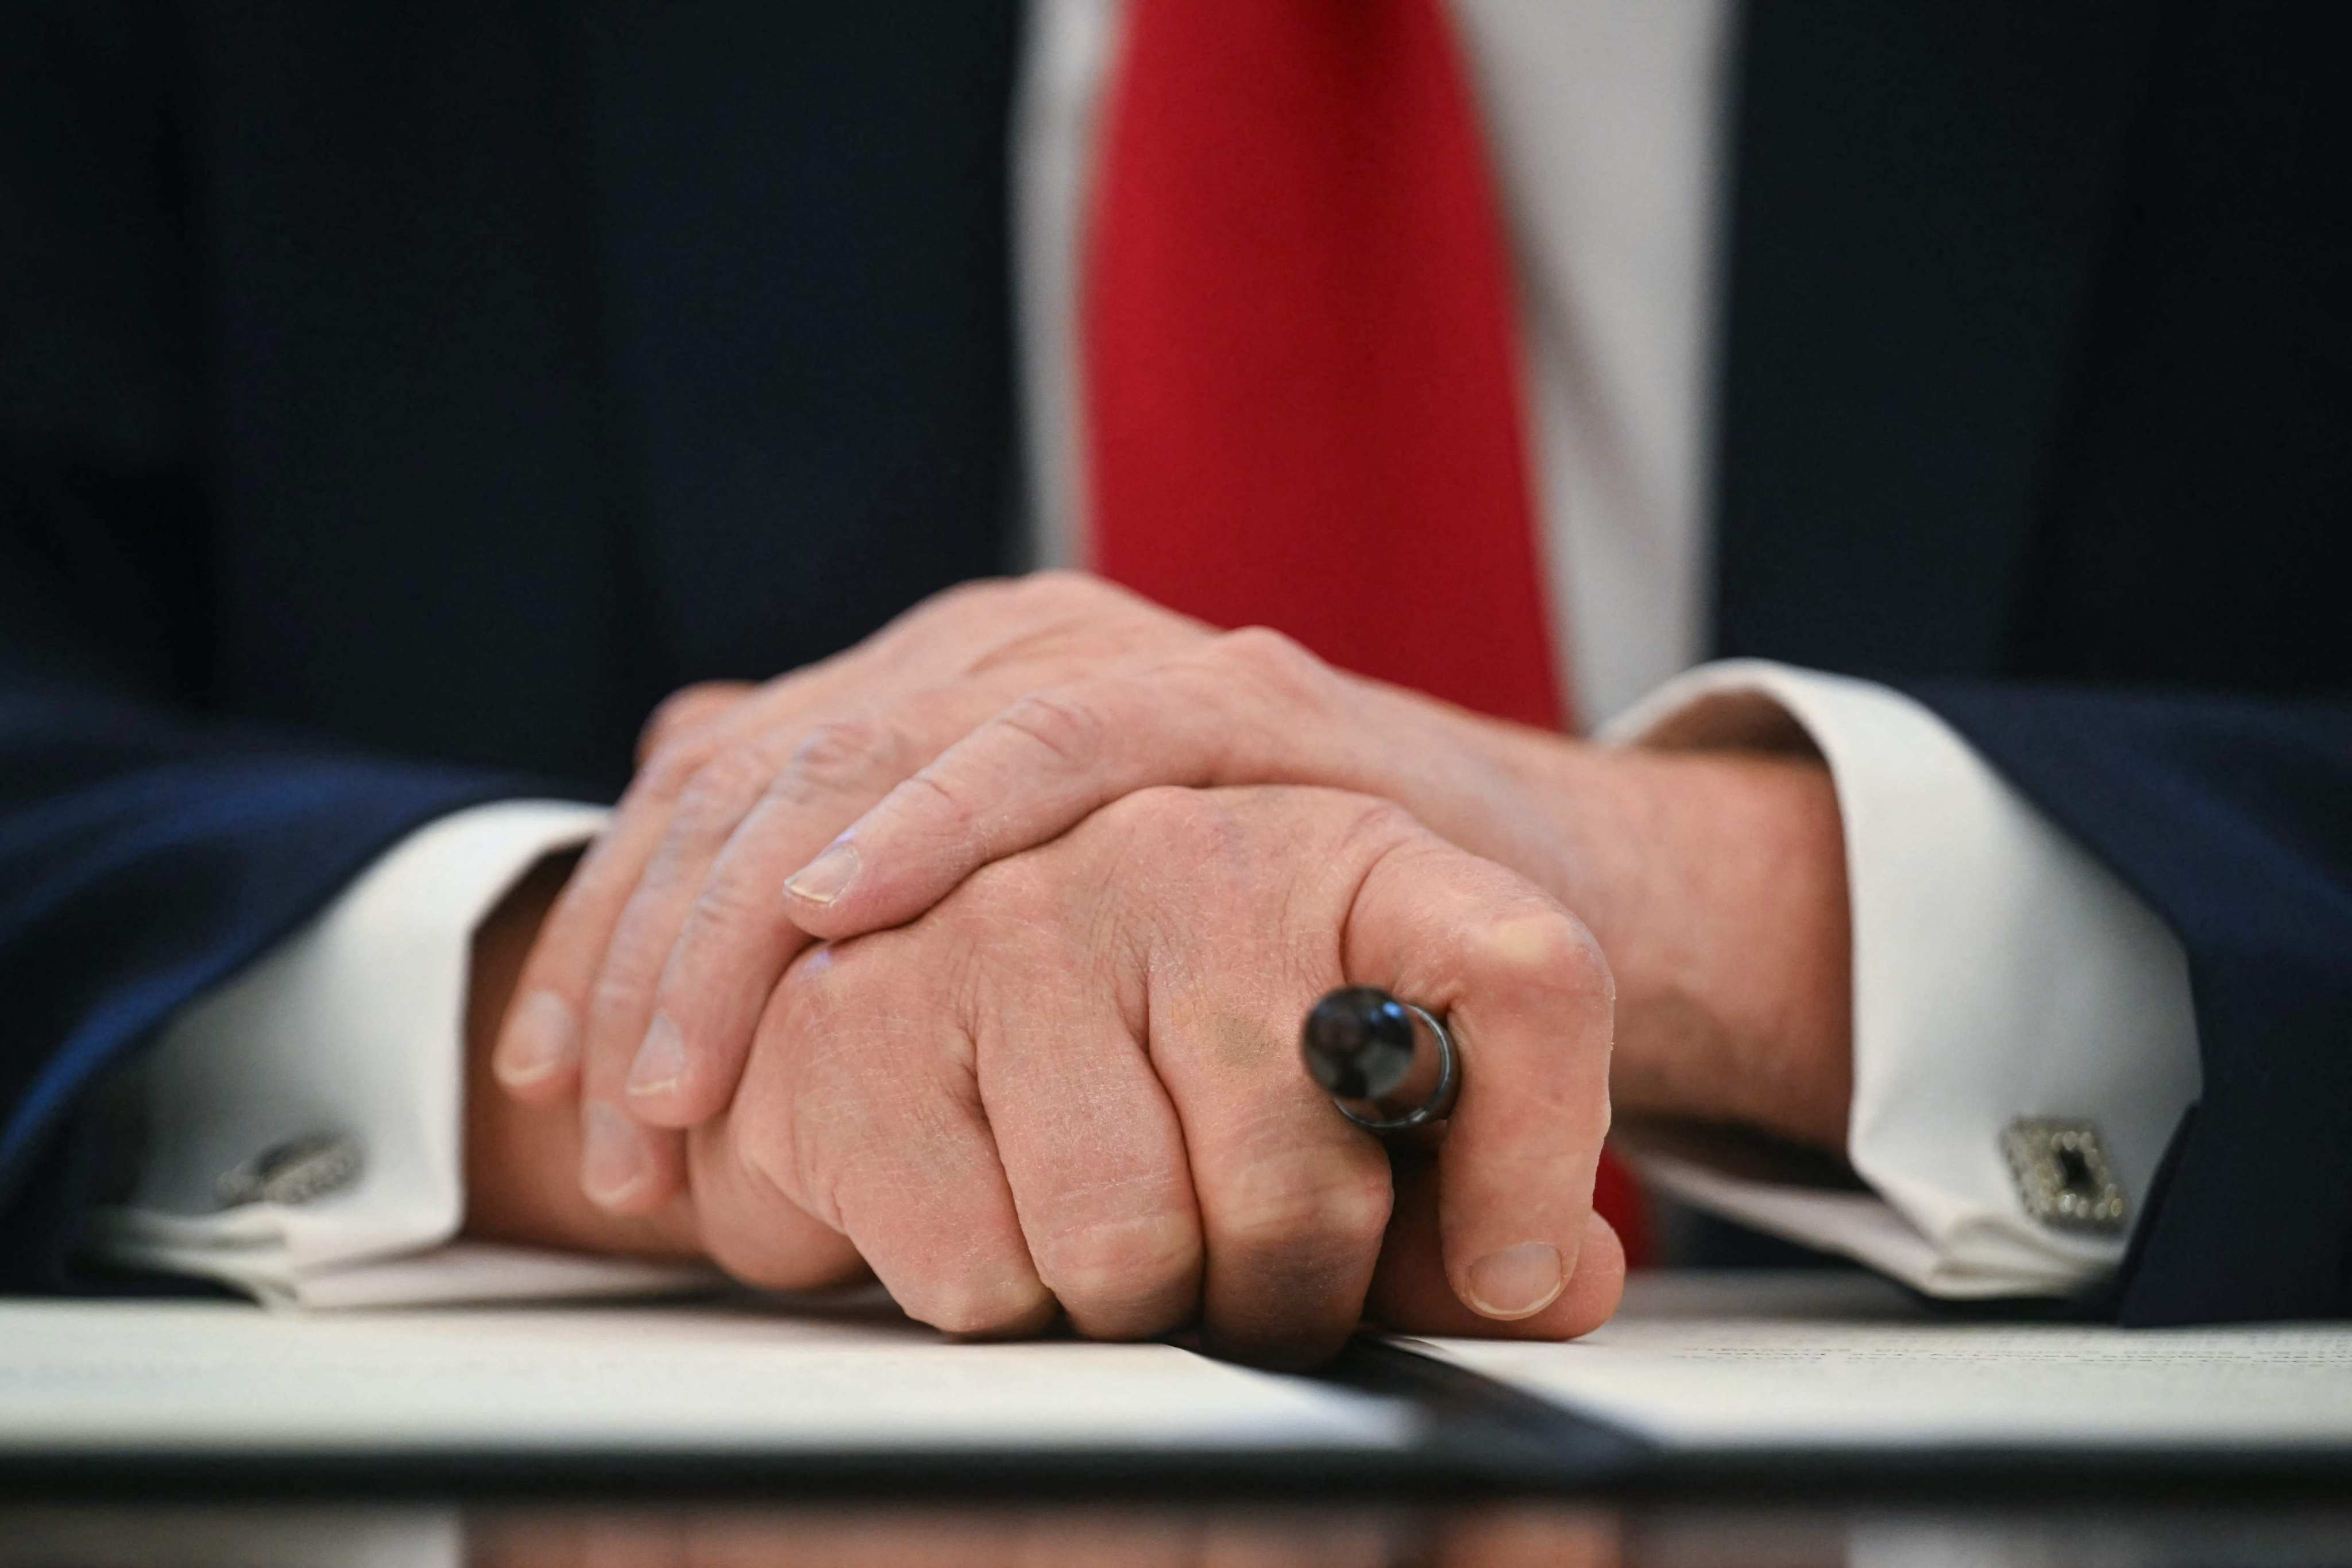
1766	1380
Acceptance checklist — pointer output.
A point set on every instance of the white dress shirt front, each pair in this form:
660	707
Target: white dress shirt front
1998	972
1604	122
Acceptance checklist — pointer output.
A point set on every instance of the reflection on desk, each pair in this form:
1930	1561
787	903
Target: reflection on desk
1500	1534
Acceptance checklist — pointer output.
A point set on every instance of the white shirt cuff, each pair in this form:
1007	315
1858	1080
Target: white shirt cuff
1998	972
351	1029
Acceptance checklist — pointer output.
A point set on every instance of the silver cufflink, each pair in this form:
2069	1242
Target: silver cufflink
2062	1175
298	1171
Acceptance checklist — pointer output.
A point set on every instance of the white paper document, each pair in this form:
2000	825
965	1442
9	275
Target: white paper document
207	1378
1837	1362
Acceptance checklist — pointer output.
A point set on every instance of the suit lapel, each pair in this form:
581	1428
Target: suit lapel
1918	196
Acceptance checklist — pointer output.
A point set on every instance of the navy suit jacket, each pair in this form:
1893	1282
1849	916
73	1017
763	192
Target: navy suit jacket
396	400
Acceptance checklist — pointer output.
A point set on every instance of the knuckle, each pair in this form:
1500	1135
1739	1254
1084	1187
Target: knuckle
1069	729
973	1302
751	1251
721	790
1378	826
725	906
1132	1258
686	708
1375	837
1281	1209
1271	659
624	986
970	590
1542	944
751	1260
836	757
1058	588
951	601
675	762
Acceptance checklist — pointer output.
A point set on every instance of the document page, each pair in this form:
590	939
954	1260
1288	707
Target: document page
749	1377
1727	1362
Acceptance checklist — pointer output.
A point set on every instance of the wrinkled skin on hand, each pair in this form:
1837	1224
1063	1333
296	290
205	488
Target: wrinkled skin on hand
891	793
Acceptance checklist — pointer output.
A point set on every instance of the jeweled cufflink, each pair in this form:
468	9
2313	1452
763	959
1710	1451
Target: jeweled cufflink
298	1171
2063	1175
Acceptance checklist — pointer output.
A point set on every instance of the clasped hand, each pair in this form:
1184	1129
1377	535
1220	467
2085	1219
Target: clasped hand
976	954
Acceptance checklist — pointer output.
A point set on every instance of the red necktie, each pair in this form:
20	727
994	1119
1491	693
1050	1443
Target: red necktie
1301	355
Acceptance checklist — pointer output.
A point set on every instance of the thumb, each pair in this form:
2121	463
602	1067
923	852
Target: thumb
1411	1294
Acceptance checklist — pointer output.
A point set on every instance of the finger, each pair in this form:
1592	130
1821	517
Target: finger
724	933
740	932
689	708
751	1224
1293	1199
1090	1144
625	1167
538	1053
1411	1294
1251	707
733	942
861	1108
832	766
1530	1005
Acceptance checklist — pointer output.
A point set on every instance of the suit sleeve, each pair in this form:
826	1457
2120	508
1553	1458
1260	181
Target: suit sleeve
145	859
147	850
2191	571
2232	820
347	1041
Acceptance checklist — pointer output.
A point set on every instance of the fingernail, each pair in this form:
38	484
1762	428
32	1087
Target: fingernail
540	1038
612	1155
661	1060
823	880
1517	1283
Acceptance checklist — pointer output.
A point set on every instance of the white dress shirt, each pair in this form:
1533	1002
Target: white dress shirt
351	1028
1998	972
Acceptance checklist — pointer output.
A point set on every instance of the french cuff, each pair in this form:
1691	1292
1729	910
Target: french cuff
304	1124
2023	1041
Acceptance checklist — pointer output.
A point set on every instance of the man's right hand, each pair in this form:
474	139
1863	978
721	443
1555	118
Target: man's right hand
522	1160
